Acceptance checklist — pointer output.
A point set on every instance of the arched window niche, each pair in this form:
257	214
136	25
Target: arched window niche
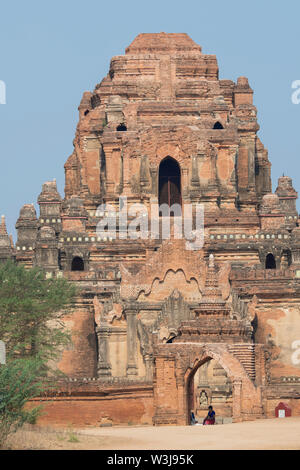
169	182
286	258
218	125
270	261
77	264
122	127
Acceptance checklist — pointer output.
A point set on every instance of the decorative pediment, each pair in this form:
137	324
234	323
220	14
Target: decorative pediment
171	260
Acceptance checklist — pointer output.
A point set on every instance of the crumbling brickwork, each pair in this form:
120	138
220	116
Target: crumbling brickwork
151	312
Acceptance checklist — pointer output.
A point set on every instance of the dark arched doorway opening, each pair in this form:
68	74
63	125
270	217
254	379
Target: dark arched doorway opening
218	125
270	261
169	182
209	385
121	128
77	264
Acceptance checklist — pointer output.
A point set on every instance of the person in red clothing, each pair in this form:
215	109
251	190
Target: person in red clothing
211	416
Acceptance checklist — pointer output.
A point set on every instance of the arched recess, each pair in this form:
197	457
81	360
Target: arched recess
121	127
176	364
209	385
218	125
270	261
242	386
77	264
286	258
169	186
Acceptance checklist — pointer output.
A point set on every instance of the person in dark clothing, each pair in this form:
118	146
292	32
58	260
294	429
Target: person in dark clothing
211	416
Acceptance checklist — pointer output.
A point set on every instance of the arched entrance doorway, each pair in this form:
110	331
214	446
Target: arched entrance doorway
169	182
175	367
209	385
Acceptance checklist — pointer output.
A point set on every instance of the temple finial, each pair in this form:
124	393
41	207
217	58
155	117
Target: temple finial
3	230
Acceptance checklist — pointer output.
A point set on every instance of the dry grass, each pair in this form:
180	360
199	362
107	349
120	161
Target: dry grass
34	438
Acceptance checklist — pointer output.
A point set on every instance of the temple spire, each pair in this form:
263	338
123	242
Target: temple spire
6	247
211	289
3	230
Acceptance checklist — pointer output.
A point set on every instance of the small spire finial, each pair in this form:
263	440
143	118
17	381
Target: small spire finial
3	230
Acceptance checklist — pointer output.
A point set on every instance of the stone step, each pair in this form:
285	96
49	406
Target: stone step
245	353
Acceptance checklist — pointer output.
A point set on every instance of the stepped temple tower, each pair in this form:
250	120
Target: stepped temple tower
159	329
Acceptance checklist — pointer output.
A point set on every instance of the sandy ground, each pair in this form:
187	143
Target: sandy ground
275	434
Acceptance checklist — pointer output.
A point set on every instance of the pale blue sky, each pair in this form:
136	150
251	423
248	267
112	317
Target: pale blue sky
51	52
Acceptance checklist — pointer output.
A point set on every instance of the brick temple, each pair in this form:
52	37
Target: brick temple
158	329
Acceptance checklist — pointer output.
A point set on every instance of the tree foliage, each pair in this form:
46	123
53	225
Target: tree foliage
18	383
31	311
